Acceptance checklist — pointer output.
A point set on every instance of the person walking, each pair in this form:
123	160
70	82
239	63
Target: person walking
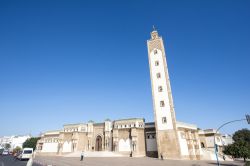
82	155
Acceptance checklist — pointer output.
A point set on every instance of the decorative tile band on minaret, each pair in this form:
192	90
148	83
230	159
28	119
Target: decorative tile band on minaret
165	121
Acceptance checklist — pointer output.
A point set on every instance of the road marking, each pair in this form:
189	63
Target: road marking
2	164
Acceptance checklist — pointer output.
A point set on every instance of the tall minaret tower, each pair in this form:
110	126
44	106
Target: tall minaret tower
165	123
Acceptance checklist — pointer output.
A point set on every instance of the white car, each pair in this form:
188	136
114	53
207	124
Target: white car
5	152
25	154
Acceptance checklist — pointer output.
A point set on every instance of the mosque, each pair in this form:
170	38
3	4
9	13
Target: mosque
164	138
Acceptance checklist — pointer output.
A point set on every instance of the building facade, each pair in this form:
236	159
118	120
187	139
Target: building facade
209	137
124	136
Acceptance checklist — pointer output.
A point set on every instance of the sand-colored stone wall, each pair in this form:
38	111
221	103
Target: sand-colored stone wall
168	145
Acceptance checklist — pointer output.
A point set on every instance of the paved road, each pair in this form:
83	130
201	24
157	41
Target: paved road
10	161
125	161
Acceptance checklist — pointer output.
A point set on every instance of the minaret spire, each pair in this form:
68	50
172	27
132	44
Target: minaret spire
154	33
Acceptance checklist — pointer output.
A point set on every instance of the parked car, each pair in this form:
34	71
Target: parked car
26	153
5	152
1	151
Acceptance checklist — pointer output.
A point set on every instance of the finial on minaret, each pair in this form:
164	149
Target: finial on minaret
154	28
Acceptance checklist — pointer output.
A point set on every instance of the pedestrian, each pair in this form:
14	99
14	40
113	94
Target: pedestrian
82	155
161	156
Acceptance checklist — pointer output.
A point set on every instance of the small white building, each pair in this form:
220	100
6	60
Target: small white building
227	139
5	140
14	141
18	141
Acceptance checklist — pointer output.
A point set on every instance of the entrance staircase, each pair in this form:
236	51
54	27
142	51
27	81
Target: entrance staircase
97	154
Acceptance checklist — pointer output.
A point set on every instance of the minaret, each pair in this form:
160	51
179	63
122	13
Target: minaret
165	123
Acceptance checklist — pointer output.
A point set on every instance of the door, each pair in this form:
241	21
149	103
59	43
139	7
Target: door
98	143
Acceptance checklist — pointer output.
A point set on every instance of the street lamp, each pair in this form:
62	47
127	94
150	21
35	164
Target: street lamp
215	145
248	119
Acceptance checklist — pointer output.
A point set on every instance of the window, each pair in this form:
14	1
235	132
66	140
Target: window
202	145
162	104
156	63
159	88
155	51
164	120
158	75
27	152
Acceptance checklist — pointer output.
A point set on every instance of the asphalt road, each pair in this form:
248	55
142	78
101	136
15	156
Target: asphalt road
11	161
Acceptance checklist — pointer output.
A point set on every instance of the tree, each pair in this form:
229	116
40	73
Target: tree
241	146
243	135
31	143
17	149
7	146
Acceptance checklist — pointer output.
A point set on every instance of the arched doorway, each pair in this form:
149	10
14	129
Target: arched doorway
98	143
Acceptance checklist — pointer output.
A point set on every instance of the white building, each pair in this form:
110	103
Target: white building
209	137
227	139
5	140
14	141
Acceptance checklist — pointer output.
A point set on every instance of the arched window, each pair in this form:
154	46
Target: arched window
155	51
158	75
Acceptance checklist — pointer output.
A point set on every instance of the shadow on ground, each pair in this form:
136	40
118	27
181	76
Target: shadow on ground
224	164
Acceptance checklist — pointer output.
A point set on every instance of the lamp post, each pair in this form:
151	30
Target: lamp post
215	145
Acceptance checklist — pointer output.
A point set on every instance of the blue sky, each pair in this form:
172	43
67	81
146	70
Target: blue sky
73	61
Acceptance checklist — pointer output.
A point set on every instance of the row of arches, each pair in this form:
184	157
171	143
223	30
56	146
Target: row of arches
123	145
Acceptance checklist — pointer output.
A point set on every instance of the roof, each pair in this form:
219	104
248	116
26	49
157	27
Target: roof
98	124
186	125
52	132
129	119
150	125
76	124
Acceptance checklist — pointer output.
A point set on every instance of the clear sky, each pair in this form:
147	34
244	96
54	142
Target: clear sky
74	61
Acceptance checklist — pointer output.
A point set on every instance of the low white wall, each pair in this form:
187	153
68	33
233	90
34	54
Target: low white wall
50	147
183	144
67	146
124	145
